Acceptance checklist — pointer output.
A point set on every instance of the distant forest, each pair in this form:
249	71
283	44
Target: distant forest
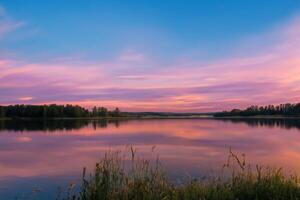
282	109
55	111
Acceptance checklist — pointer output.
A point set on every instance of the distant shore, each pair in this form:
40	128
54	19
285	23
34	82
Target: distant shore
109	118
158	117
258	117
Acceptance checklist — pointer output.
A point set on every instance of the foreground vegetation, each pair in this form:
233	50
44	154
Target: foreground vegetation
112	179
270	110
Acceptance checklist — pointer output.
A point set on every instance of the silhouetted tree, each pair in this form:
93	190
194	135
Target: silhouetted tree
54	111
282	109
94	111
2	112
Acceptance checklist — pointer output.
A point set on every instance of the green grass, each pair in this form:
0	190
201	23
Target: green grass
112	179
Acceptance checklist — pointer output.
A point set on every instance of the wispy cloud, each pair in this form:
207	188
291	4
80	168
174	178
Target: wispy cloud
7	24
134	81
25	98
2	11
132	56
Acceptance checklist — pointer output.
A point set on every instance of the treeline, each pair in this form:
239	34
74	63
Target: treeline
55	111
282	109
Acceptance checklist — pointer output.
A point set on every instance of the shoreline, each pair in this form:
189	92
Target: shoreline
157	117
112	118
259	117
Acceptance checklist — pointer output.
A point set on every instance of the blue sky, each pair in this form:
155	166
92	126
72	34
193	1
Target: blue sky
150	55
103	29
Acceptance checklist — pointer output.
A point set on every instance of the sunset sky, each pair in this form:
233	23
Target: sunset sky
179	56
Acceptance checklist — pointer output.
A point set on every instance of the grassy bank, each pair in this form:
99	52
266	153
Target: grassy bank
112	179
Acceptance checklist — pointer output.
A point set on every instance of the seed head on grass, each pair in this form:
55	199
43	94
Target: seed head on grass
147	180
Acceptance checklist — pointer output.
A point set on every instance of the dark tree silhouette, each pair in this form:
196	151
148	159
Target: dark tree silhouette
55	111
2	112
282	109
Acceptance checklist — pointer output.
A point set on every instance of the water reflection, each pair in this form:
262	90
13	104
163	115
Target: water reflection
72	124
54	125
287	123
50	153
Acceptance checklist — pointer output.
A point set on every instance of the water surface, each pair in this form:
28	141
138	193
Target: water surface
44	155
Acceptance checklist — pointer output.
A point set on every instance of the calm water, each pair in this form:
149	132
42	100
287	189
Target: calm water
49	154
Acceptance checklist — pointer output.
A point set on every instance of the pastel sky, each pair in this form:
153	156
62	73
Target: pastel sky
139	55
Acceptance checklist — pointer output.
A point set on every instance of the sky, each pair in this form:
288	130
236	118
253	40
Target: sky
139	55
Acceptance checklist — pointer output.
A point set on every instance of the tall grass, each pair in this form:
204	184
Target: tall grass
112	179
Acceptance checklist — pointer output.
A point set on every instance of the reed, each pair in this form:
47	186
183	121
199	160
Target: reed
112	179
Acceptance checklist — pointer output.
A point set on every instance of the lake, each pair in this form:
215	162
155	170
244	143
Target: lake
45	155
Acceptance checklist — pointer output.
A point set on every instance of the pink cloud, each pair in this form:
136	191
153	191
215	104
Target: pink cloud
25	98
132	82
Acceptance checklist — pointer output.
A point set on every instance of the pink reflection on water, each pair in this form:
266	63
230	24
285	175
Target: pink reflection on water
184	146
